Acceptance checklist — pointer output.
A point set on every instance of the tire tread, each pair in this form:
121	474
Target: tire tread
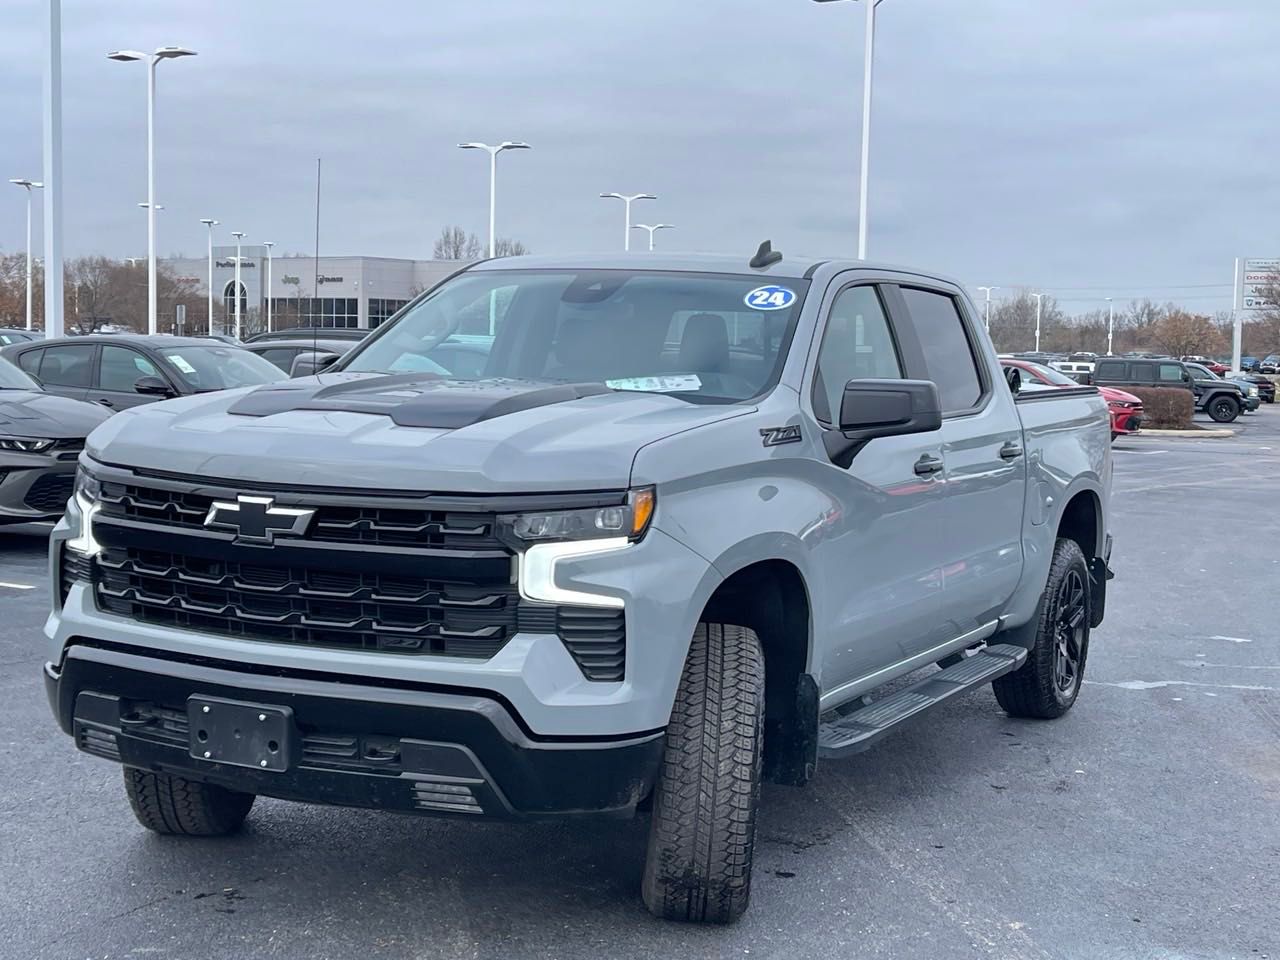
174	805
703	830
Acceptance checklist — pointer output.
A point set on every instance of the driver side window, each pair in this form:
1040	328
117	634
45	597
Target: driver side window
856	345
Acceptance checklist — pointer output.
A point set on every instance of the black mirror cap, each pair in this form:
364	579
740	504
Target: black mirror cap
889	408
1013	377
152	387
311	362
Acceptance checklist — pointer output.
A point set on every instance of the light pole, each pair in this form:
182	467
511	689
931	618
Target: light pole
627	200
1039	297
868	62
51	143
268	244
493	151
28	185
986	317
128	56
210	223
1111	323
235	289
654	228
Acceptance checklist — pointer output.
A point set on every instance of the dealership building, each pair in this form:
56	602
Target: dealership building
359	292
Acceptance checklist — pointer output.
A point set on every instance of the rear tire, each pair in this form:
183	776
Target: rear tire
1223	409
702	834
1047	685
175	805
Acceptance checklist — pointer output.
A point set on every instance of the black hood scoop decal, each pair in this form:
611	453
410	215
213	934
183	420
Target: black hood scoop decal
411	399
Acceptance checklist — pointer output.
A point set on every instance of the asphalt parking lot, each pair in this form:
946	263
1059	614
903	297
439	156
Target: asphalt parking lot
1145	824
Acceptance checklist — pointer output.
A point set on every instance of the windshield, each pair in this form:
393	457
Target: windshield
213	367
706	337
13	378
1202	373
1048	375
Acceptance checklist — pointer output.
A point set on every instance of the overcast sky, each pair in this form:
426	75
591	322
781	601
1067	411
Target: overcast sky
1125	144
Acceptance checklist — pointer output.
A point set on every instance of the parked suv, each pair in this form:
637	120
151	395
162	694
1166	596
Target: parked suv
1220	399
691	528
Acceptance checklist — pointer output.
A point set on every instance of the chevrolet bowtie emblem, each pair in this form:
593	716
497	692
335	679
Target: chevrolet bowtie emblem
258	519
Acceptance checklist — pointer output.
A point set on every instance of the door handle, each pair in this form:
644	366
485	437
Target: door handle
928	465
104	401
1011	451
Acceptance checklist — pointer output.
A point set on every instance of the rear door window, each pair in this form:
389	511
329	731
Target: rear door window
948	354
30	361
1142	372
70	365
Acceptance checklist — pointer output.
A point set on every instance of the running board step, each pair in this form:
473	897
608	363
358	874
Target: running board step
867	725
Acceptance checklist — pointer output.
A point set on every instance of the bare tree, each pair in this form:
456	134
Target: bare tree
454	243
506	247
1181	333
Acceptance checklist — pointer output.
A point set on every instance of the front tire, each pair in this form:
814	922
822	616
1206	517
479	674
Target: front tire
702	835
1047	685
168	804
1223	409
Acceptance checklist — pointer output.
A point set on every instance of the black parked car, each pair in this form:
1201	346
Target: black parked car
41	437
1222	400
1266	386
283	352
123	370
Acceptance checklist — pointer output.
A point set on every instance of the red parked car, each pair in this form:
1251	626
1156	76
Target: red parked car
1212	365
1125	408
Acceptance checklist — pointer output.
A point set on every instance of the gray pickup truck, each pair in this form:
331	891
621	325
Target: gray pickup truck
692	520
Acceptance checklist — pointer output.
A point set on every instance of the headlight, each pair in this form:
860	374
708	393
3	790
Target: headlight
1253	391
25	445
88	487
629	520
88	491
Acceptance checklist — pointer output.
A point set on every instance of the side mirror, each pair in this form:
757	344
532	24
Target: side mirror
312	362
1013	377
889	408
152	387
1186	377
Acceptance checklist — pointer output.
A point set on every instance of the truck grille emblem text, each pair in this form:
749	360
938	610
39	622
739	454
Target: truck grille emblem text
258	519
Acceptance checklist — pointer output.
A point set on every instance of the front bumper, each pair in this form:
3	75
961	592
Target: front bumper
400	747
34	486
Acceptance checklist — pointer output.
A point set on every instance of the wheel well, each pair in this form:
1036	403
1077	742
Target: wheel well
770	598
1080	522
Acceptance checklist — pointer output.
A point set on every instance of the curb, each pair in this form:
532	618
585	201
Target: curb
1202	434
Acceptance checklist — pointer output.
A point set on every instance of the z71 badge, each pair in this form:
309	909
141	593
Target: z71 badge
773	436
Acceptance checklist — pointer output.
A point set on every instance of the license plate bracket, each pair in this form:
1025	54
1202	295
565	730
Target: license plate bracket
241	734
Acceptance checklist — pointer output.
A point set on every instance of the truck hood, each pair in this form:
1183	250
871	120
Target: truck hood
408	432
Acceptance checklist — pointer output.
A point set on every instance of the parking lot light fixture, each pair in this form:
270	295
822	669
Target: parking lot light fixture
627	200
652	228
1039	297
493	151
210	223
869	56
28	185
268	244
1111	324
129	56
235	289
986	316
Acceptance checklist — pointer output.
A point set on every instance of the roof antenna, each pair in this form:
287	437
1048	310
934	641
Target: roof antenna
766	256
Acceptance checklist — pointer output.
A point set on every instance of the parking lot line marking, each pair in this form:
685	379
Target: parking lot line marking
1232	639
17	586
1158	684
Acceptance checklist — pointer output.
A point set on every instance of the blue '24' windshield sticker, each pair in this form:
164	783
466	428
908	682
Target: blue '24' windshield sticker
770	298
